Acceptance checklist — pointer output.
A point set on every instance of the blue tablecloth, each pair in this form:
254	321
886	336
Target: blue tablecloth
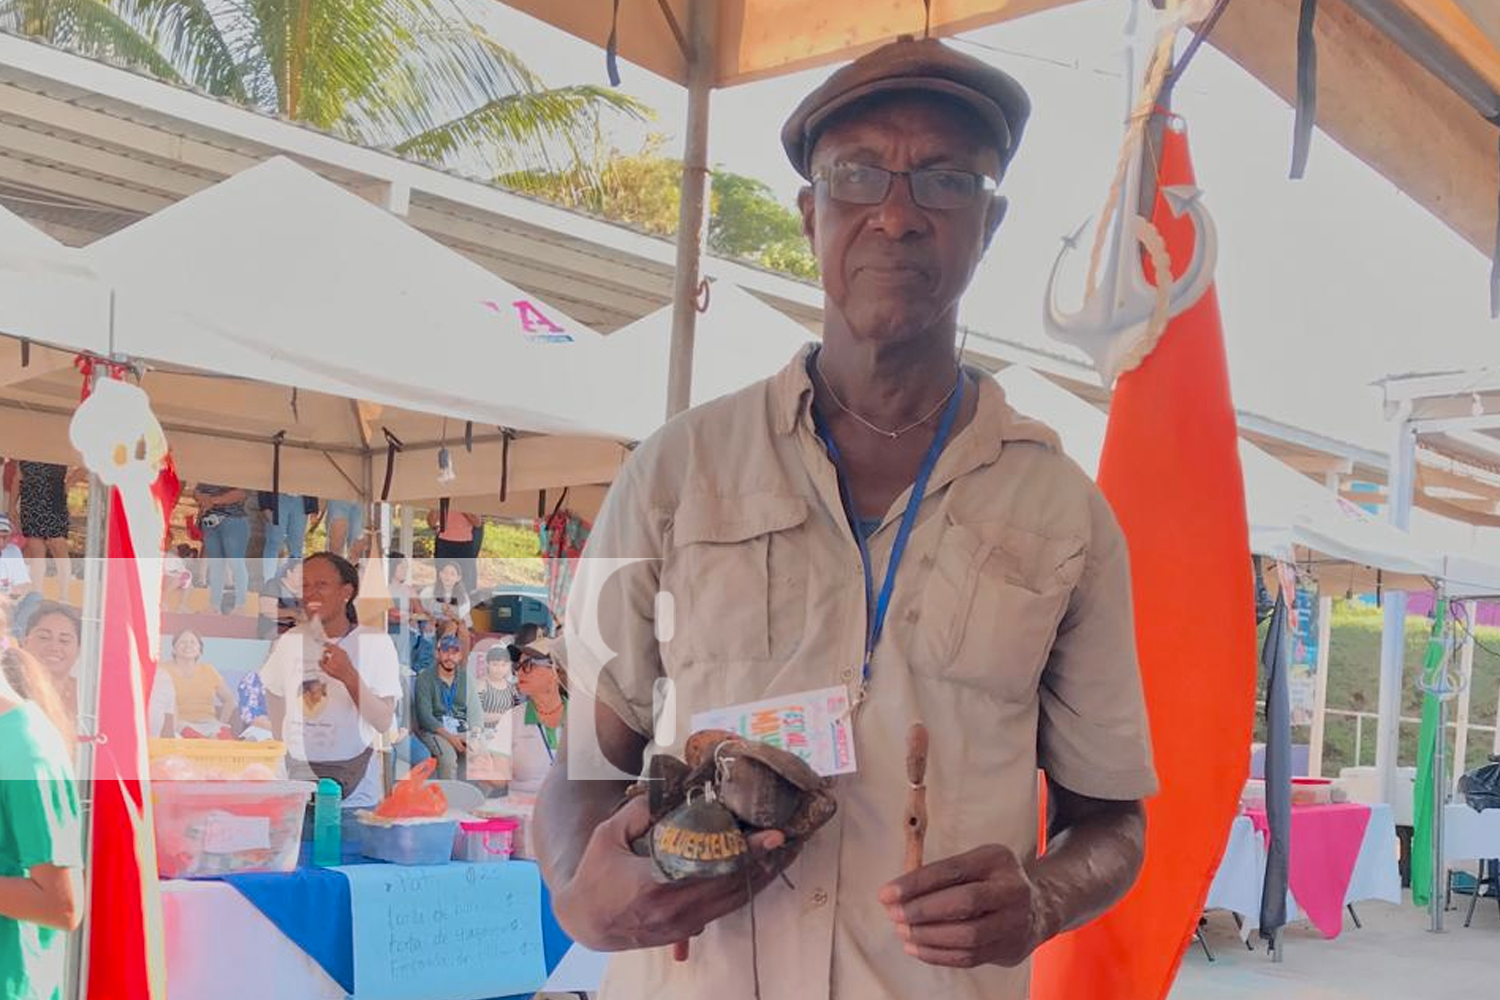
311	907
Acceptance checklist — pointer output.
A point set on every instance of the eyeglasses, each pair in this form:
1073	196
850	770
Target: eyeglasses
935	187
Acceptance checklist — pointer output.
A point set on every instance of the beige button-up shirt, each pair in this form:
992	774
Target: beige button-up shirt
1010	634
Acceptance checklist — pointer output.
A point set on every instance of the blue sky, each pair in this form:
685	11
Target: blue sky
1326	284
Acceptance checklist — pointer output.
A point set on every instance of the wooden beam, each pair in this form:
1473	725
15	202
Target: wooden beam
69	151
1318	465
96	190
164	145
1378	103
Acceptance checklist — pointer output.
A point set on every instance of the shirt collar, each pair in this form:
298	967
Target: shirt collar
995	421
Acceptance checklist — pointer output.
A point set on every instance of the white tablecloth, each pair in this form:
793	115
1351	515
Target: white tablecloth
1241	875
1470	835
220	946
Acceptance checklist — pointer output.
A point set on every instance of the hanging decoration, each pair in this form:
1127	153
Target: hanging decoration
562	535
123	444
1123	313
1180	501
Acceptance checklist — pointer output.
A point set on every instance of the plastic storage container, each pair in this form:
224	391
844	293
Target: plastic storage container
224	827
217	760
409	841
481	841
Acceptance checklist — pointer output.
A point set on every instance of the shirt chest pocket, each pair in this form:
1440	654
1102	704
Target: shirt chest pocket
989	611
737	576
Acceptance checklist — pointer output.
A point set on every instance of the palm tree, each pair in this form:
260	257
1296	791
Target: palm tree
417	77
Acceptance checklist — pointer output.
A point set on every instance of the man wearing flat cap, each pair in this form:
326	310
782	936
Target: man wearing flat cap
877	521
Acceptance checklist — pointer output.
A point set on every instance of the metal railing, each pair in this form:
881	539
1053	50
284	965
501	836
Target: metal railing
1359	730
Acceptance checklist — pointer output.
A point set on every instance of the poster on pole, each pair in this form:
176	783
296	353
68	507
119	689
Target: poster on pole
1302	676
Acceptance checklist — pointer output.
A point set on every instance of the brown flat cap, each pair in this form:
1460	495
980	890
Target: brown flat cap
909	64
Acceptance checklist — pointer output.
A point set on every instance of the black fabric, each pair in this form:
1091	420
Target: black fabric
1481	786
1273	662
612	48
1307	87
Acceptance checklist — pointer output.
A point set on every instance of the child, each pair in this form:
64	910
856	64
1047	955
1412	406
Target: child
41	843
176	577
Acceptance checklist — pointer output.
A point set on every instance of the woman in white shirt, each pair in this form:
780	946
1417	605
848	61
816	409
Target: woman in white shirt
332	685
447	599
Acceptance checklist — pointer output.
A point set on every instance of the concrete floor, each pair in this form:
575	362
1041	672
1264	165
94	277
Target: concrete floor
1393	957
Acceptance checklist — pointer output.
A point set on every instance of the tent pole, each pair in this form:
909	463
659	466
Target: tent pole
1320	681
703	26
408	529
1320	690
1393	639
1465	679
89	657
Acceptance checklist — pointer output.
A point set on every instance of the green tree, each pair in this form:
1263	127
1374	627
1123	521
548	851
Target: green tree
415	76
643	190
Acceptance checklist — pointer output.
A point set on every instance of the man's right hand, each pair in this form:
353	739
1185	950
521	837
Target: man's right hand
613	902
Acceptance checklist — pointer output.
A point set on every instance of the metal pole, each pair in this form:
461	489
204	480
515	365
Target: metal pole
1439	799
408	529
89	657
1393	638
1465	679
1320	682
703	29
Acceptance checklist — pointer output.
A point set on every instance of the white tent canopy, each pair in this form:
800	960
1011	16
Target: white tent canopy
1291	517
308	297
739	340
47	294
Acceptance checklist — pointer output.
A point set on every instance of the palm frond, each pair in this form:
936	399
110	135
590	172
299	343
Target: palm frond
524	131
90	27
190	37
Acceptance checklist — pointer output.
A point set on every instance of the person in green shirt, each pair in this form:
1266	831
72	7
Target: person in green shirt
441	704
41	836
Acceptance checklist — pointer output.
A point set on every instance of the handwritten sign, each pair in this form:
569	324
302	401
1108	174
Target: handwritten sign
814	725
446	932
226	833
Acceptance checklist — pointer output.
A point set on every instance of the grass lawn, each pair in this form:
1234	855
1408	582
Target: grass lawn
1354	685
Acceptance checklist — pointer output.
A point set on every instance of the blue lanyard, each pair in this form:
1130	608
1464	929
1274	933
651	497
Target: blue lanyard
877	607
546	742
449	694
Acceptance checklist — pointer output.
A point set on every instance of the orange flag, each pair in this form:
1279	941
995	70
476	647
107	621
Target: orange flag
1171	471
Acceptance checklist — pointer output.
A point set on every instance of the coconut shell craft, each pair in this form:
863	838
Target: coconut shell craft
704	807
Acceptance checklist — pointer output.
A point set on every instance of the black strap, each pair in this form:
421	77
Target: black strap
25	353
541	505
393	447
560	501
1199	37
443	514
1495	256
469	437
505	437
927	19
1307	87
276	440
612	48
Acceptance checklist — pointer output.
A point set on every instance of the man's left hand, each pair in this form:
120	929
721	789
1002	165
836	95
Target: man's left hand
978	908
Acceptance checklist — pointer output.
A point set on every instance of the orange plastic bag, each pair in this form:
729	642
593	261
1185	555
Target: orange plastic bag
412	799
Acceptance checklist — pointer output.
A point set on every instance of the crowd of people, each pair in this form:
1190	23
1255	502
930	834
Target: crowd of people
422	683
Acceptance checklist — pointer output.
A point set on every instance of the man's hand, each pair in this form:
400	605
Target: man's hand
612	902
456	741
978	908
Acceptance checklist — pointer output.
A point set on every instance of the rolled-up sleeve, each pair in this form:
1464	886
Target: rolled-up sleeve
1093	735
611	649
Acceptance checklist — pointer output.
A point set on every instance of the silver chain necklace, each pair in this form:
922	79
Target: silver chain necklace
892	435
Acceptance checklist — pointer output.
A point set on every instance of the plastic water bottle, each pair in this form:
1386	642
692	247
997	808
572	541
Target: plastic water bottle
327	824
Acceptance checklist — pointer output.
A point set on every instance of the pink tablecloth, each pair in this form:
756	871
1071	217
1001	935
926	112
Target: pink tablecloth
1325	845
